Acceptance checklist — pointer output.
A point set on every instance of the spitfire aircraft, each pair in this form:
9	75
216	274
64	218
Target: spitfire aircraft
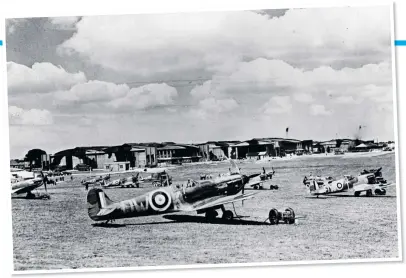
133	181
96	180
203	196
257	182
370	182
26	182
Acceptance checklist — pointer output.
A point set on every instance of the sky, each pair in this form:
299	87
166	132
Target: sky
195	77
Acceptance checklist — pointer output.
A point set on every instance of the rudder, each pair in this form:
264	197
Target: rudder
96	200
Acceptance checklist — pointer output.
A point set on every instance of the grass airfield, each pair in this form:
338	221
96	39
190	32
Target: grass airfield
58	234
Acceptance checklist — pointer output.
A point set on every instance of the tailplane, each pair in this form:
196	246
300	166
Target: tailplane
97	200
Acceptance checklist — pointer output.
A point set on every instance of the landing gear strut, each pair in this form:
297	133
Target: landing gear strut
211	215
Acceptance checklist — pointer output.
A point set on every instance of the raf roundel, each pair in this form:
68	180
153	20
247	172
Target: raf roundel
160	200
339	185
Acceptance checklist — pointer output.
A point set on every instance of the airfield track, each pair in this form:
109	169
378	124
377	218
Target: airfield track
58	234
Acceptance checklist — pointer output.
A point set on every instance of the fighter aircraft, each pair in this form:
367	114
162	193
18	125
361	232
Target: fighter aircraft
96	180
258	182
133	181
370	182
203	196
27	182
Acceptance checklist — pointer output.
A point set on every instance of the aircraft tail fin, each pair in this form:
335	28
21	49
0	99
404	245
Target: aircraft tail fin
96	200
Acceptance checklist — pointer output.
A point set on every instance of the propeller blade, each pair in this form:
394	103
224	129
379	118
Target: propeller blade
44	181
234	165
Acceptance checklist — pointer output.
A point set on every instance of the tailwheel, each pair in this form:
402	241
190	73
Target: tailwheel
274	217
211	215
228	215
380	192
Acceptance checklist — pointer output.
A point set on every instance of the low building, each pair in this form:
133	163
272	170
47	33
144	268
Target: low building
117	166
178	153
257	155
19	164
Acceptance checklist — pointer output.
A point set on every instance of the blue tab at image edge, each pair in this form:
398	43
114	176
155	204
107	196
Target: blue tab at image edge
1	42
400	42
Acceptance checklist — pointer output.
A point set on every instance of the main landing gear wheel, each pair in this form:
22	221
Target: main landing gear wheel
228	215
380	192
273	217
211	215
289	217
369	193
357	193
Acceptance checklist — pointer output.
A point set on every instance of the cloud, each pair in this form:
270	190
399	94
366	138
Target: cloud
40	78
319	110
100	96
303	97
36	117
13	23
146	96
346	100
215	41
277	105
65	22
91	92
211	108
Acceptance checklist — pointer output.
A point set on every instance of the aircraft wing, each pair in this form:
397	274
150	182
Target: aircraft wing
365	187
24	187
217	201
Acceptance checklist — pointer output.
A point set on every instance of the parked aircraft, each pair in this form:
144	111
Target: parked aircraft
370	182
27	182
203	196
132	181
258	182
96	180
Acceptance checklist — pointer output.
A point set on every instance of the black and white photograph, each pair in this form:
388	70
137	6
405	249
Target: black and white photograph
209	138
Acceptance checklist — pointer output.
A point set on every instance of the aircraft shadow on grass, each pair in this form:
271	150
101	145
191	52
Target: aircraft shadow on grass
346	196
186	219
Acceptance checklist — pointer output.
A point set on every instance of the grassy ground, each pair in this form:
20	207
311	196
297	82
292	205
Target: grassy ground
57	233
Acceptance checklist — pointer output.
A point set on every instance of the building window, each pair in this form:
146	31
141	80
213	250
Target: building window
121	166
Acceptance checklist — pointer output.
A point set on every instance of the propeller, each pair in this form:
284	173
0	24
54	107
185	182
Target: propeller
44	181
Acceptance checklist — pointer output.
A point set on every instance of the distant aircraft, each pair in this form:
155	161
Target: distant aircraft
96	180
369	181
204	196
132	181
26	182
257	182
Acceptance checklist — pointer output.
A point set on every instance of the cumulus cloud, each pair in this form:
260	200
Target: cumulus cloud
40	78
99	95
65	22
346	100
216	41
303	97
13	23
36	117
275	77
91	91
277	105
145	96
211	108
319	110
